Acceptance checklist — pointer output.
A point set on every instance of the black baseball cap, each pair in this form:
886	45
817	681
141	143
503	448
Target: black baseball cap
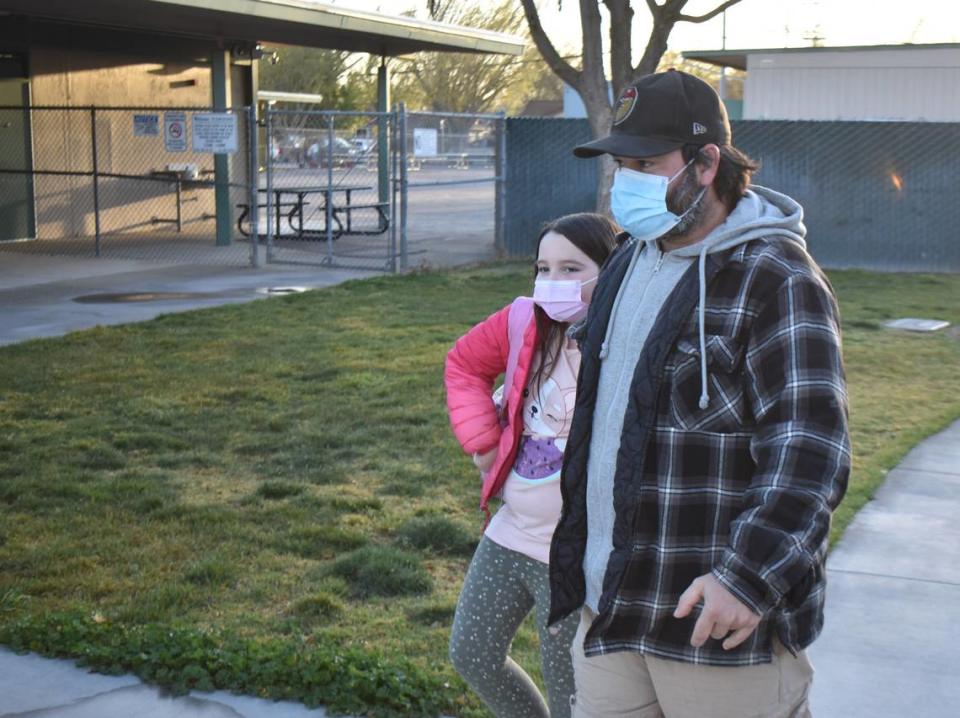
660	113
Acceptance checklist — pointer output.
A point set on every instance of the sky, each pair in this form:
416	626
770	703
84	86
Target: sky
754	24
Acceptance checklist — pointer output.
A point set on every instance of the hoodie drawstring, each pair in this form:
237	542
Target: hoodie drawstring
605	345
704	393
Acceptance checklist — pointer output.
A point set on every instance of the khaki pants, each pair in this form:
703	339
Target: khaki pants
631	685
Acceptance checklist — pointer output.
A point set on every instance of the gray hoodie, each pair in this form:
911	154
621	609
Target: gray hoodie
649	280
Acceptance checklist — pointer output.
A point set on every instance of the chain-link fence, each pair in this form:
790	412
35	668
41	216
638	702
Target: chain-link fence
129	183
452	167
326	197
367	190
876	195
544	179
380	191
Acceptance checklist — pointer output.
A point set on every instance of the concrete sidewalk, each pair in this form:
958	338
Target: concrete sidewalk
44	688
888	650
889	646
38	294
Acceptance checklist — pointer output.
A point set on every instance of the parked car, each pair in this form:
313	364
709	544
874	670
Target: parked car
318	153
363	145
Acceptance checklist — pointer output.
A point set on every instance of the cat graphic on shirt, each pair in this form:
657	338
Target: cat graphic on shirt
545	413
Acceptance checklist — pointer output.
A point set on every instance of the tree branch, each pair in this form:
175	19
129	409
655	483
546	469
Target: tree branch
561	68
621	48
710	15
593	74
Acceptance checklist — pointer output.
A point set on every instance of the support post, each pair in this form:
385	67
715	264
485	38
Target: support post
500	184
96	182
328	201
253	178
402	138
394	191
383	133
221	162
268	115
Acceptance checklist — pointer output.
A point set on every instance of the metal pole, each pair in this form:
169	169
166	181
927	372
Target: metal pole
179	203
328	204
383	158
220	76
394	187
500	180
96	188
253	178
402	131
269	198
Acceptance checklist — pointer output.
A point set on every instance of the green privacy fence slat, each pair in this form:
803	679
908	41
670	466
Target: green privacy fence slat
876	195
544	179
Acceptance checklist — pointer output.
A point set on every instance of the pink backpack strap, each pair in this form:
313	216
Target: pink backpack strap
521	314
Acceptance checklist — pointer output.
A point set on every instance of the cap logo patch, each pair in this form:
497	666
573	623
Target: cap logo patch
625	105
699	129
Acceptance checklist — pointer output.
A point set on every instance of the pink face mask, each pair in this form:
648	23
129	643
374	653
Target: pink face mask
561	298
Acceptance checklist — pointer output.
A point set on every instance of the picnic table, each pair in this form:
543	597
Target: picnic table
181	179
290	202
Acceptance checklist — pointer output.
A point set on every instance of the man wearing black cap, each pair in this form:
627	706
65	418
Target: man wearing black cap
709	444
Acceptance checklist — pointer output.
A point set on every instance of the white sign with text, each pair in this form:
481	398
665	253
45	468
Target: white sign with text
424	142
215	132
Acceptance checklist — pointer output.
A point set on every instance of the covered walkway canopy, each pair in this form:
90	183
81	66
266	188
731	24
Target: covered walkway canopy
289	22
226	34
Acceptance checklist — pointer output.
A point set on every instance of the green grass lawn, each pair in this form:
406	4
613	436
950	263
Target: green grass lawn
267	497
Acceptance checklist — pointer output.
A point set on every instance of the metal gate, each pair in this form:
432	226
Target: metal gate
381	191
452	178
328	194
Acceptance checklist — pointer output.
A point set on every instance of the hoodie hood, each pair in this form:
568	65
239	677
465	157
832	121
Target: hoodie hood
761	212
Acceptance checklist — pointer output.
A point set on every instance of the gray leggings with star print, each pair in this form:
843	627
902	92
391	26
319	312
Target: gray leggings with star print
500	589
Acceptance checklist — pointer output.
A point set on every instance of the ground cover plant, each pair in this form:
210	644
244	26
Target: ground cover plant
267	497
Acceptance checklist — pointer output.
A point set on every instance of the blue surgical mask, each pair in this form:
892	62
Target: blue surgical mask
638	201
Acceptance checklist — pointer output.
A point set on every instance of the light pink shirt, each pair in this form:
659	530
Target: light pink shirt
531	494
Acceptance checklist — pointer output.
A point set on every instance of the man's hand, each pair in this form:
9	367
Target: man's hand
722	612
485	461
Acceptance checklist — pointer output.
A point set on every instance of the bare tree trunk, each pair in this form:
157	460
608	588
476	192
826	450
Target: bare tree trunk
600	118
621	44
595	93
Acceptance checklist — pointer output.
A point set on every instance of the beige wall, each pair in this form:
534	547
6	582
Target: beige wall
62	141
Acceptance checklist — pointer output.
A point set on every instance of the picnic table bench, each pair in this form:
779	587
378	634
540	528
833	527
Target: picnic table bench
290	202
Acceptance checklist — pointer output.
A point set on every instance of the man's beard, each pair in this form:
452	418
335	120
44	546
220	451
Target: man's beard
687	203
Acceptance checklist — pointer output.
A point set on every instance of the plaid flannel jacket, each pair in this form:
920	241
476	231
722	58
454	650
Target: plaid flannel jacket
743	489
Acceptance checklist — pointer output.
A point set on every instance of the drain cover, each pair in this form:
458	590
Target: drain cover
125	297
281	290
917	325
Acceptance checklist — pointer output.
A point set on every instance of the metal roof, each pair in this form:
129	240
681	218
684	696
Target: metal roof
738	58
288	22
276	96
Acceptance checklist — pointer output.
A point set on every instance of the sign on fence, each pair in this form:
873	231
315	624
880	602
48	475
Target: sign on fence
146	125
215	133
424	142
175	131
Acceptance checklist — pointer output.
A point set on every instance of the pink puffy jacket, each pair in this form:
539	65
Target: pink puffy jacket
471	369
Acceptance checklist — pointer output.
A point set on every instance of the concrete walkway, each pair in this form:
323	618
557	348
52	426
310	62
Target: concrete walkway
38	294
44	688
890	645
